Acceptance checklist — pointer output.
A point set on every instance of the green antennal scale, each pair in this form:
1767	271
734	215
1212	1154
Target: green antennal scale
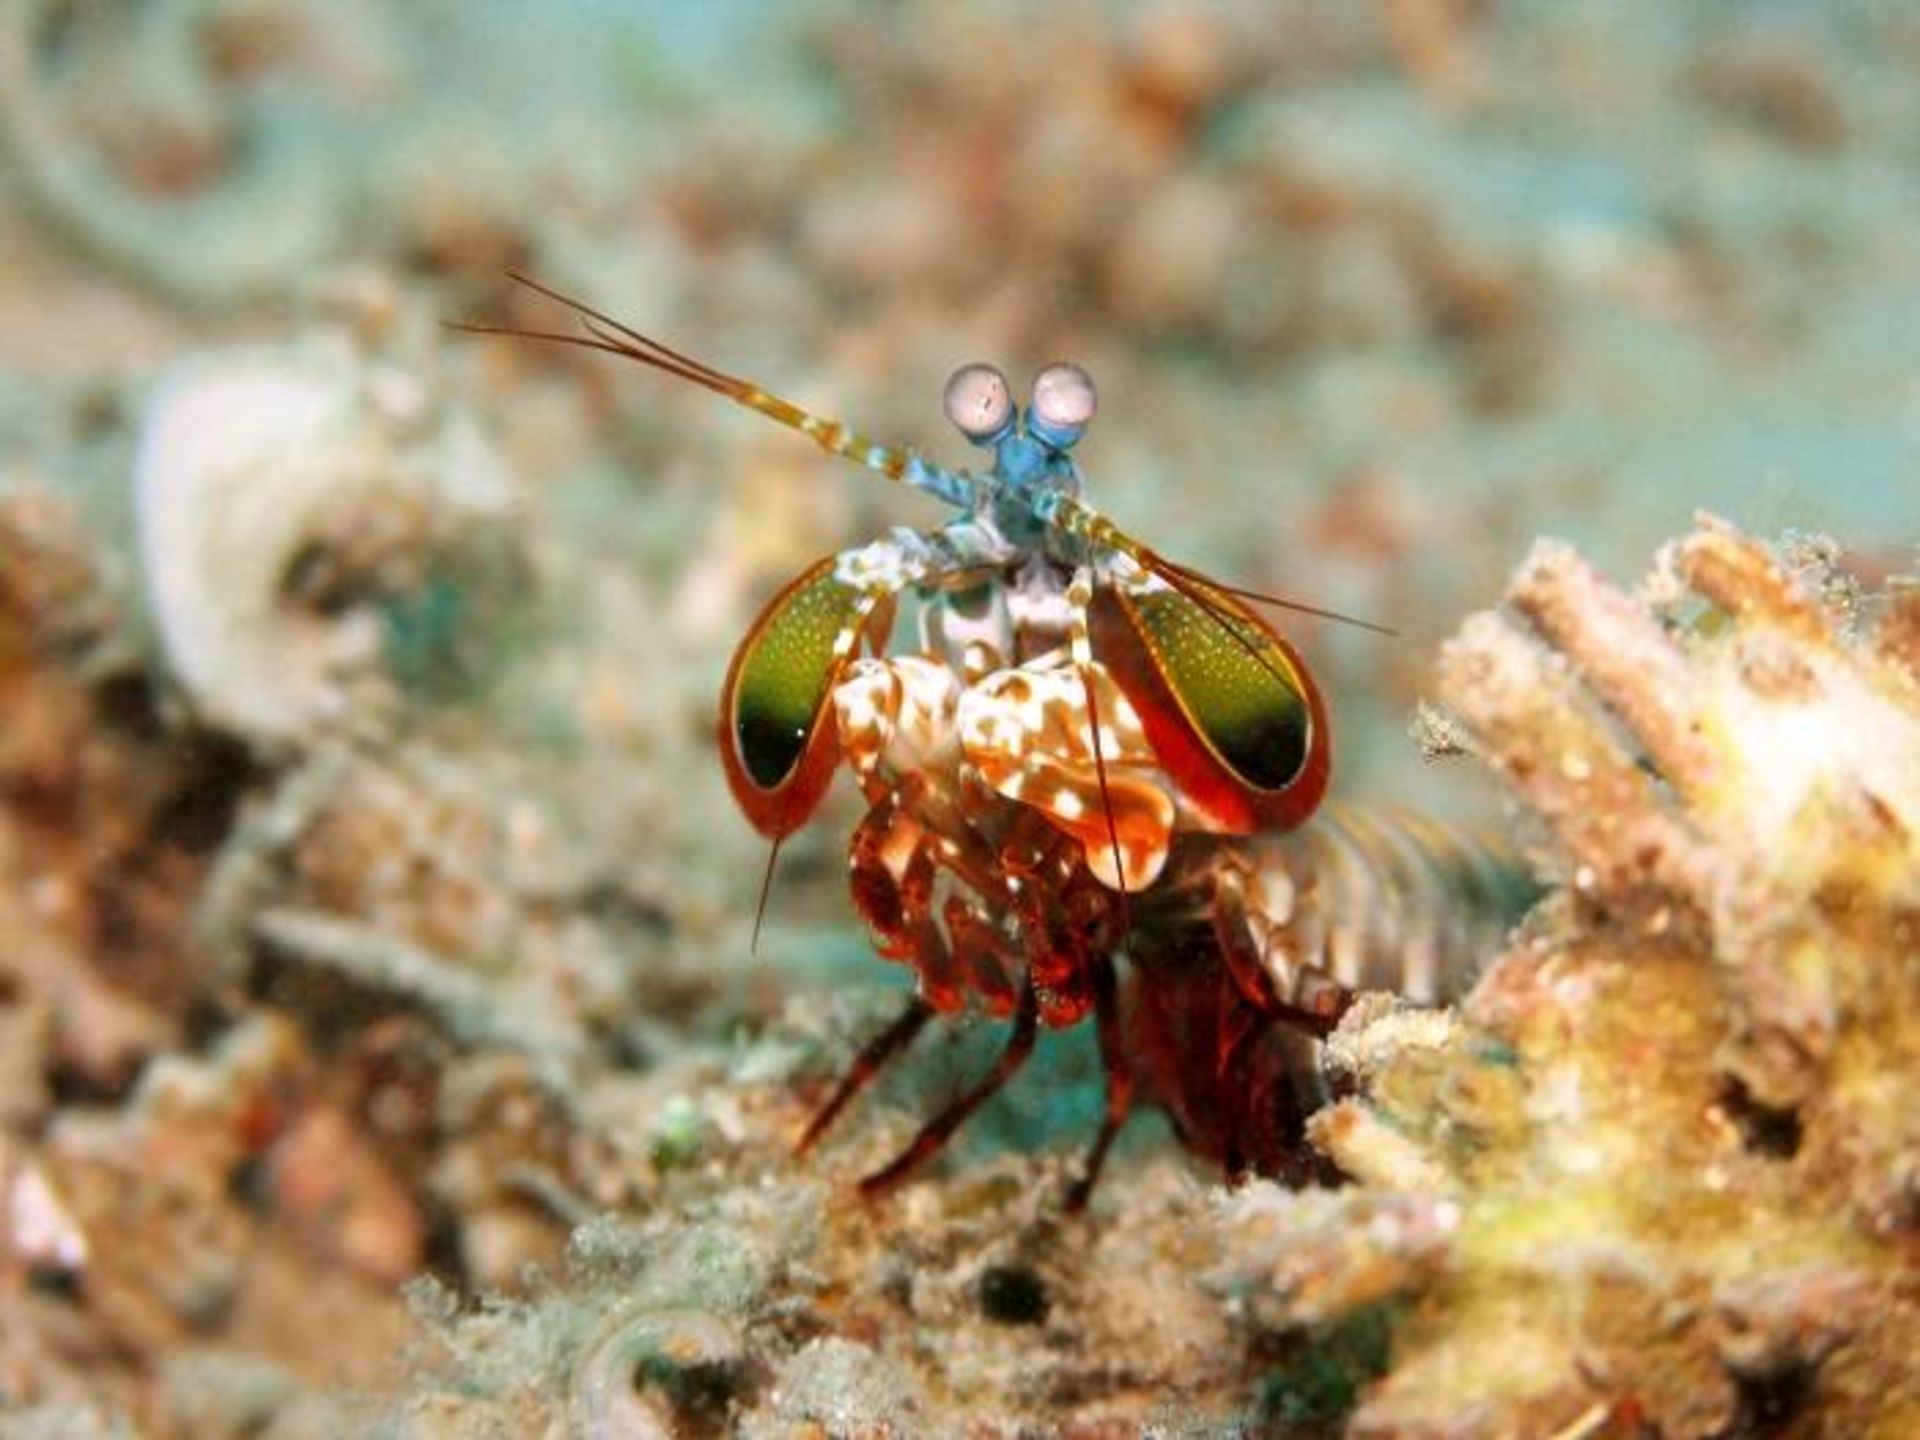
1225	701
776	709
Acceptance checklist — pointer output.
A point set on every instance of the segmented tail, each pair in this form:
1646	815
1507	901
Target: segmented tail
1226	1027
1380	900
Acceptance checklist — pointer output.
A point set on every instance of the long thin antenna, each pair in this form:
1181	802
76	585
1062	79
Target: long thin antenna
1195	589
1277	602
766	889
1100	771
1080	519
551	337
643	348
609	336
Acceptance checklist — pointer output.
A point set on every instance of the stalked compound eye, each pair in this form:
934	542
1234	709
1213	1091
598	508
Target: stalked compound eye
1063	404
979	404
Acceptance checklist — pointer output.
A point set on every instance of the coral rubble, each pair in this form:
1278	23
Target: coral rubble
1674	1120
315	462
369	904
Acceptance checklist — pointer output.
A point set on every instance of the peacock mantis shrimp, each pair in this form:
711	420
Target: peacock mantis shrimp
1087	787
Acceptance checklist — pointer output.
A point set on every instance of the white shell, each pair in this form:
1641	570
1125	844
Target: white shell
249	458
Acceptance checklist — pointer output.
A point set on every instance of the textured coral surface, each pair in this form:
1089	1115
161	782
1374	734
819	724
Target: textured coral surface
1672	1117
382	1050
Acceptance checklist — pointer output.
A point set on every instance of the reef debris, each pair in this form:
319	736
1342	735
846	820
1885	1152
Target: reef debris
289	501
1673	1118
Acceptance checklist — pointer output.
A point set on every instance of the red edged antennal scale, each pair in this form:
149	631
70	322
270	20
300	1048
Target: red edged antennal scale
1086	759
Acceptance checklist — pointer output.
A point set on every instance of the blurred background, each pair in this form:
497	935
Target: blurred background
347	657
1374	293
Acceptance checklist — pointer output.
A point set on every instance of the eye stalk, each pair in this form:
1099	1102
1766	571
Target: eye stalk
979	403
1062	406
